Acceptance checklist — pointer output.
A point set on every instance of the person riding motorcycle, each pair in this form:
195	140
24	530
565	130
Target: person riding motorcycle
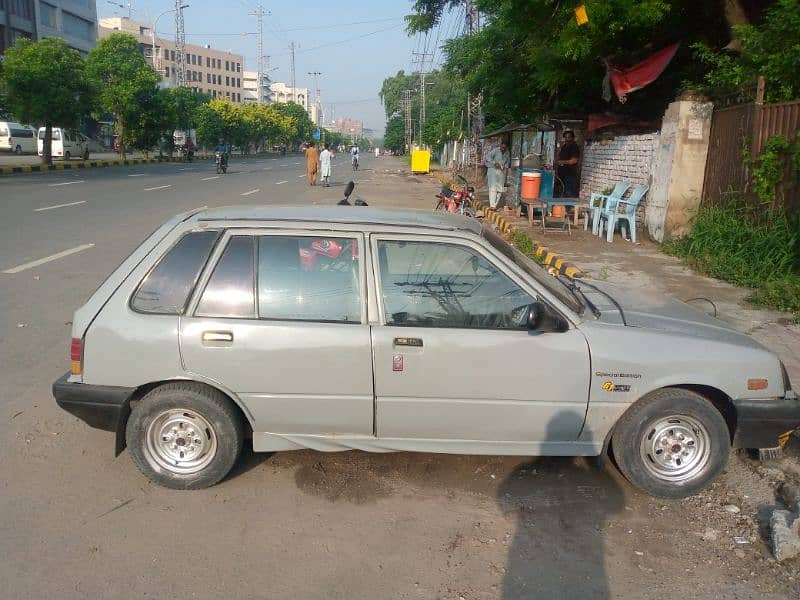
223	150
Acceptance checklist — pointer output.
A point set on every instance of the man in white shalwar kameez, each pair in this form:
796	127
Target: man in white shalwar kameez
325	170
496	165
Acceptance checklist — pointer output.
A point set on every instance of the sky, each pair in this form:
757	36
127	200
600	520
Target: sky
355	44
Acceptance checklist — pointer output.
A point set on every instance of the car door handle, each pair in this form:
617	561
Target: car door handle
218	336
404	341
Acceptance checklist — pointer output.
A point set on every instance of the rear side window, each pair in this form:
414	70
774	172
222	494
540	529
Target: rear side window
165	289
230	291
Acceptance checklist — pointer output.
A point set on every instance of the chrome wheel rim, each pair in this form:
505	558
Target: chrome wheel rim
675	448
181	441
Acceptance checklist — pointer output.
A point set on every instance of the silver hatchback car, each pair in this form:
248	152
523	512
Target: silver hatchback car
337	328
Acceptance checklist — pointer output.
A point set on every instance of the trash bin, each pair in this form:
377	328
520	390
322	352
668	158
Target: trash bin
420	161
531	183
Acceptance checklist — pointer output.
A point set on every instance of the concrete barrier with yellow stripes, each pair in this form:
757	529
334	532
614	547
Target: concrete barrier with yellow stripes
86	164
552	260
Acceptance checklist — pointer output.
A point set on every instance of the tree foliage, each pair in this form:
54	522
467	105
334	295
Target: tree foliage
152	119
771	49
531	57
44	83
394	137
119	75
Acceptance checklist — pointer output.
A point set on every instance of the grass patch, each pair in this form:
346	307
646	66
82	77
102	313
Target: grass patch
524	244
758	248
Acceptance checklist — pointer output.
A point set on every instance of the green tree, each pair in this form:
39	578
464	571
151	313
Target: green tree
45	83
531	57
151	119
119	74
185	103
303	127
394	138
210	125
771	49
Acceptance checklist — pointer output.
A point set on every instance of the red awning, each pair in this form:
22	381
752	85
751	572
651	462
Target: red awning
630	79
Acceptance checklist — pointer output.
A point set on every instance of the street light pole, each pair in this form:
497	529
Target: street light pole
153	33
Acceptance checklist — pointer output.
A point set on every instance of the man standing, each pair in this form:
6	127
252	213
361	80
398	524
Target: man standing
312	163
568	165
325	165
496	165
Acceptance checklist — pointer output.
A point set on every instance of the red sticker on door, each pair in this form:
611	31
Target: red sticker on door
397	362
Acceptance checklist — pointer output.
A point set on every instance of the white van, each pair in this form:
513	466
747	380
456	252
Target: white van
17	138
67	144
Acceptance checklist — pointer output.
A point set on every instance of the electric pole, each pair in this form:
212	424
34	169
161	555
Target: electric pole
474	103
291	68
315	75
420	58
259	14
409	124
180	44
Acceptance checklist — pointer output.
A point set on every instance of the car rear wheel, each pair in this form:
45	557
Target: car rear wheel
18	149
184	435
671	443
67	155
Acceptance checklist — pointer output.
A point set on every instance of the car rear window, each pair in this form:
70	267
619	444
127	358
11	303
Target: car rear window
166	288
230	291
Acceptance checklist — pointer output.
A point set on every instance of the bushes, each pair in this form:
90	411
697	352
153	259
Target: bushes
759	250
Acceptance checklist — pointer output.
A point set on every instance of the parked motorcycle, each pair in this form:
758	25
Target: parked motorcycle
221	161
457	201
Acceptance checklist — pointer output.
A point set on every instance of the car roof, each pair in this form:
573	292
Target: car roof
355	215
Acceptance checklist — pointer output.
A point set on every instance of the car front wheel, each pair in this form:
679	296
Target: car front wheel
672	443
184	435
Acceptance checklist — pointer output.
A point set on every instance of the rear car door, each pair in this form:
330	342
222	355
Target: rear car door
280	320
454	359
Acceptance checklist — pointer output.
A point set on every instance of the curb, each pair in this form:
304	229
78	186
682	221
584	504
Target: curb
550	259
85	164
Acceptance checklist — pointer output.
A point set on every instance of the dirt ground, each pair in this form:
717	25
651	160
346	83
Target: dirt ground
75	522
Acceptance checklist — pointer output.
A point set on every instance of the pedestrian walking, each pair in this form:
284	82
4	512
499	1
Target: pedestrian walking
496	165
312	163
325	165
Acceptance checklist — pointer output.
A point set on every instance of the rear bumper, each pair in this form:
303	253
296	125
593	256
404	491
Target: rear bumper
100	406
759	423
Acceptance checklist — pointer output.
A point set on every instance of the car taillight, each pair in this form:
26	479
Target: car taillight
76	356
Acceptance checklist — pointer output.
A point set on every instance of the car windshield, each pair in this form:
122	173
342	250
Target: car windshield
553	285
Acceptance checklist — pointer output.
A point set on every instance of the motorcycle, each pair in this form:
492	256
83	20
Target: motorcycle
221	161
457	201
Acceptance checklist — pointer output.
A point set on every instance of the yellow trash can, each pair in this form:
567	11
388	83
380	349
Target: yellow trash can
420	161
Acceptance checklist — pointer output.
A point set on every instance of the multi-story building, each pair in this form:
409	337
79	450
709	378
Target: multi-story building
352	128
73	20
280	92
218	73
251	92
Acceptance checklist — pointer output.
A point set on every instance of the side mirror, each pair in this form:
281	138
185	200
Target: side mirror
543	319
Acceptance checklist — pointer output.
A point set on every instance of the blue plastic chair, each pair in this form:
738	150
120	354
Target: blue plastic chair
599	202
622	210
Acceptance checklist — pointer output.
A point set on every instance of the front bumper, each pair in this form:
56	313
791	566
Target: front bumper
759	423
100	406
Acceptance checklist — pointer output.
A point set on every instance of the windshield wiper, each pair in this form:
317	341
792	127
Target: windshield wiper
613	301
578	293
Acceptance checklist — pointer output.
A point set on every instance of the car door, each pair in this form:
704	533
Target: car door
280	320
453	357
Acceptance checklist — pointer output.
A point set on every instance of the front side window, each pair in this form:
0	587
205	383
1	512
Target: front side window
230	291
166	288
309	279
432	284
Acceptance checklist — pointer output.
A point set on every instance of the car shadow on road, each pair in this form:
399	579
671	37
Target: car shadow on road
562	507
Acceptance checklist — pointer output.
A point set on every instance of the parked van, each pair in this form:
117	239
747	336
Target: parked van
17	138
67	144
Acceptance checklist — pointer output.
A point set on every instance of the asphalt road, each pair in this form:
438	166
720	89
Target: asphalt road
75	522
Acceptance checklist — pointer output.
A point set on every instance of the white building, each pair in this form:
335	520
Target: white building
280	92
250	85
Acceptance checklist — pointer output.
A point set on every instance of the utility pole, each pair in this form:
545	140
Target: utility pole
291	68
315	75
408	121
475	118
259	14
180	44
420	58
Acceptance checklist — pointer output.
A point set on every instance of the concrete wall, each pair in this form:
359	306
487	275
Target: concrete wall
678	169
627	157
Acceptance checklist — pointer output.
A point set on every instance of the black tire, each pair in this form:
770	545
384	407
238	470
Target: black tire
219	428
440	205
18	150
649	434
67	155
219	169
224	168
86	154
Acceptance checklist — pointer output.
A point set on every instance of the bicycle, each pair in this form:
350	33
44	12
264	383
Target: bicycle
355	163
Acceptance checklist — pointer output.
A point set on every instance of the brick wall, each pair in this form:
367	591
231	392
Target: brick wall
605	162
